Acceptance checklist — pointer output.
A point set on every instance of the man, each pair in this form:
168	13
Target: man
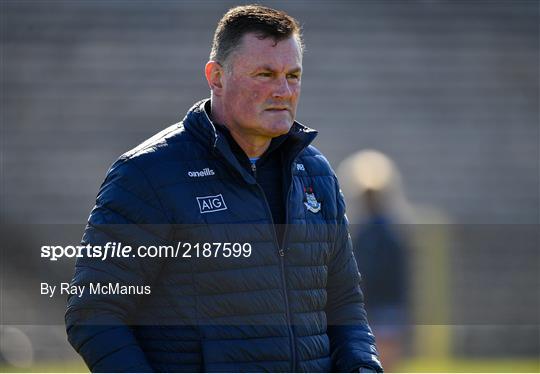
233	171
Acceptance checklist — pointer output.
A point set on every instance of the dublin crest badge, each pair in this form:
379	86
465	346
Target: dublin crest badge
311	202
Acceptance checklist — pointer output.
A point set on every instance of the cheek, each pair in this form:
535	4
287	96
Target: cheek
296	90
255	100
245	92
234	99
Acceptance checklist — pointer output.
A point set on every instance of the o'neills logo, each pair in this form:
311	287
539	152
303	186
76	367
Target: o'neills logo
206	172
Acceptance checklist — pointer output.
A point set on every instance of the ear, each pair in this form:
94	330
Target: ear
214	73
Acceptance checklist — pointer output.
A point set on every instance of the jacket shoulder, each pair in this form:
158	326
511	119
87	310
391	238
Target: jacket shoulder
172	144
159	156
315	162
161	145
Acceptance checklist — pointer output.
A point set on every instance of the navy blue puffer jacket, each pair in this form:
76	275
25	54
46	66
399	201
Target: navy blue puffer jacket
290	306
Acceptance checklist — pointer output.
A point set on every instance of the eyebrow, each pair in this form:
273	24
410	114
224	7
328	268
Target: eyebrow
297	69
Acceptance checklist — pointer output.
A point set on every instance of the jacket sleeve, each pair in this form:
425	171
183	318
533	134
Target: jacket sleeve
127	211
352	343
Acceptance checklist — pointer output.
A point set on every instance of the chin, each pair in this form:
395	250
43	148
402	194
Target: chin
279	129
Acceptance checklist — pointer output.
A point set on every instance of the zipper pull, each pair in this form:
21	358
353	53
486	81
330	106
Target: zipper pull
254	169
281	252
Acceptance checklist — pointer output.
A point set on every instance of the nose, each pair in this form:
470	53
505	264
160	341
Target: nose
282	88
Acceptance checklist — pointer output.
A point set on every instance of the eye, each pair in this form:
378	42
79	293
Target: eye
265	74
294	77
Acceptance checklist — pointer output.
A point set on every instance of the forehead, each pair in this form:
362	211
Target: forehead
253	52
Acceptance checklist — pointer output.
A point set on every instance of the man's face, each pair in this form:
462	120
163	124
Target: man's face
261	86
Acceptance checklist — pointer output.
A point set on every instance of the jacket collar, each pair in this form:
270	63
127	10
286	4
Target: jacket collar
198	123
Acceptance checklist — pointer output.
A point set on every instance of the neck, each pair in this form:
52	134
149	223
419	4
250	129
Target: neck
253	145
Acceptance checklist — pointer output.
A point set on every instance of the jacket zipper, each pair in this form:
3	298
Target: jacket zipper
282	258
281	253
254	170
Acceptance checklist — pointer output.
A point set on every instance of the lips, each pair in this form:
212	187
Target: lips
277	109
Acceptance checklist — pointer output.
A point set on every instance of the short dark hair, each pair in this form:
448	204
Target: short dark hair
263	21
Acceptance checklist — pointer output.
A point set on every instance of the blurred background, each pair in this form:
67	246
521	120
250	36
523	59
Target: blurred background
428	110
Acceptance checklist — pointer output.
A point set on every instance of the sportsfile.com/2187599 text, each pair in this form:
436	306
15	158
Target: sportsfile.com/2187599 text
118	250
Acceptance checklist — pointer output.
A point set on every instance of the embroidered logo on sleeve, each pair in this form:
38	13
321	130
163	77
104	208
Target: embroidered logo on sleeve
209	204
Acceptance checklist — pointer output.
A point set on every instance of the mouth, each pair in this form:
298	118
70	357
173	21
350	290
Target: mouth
277	109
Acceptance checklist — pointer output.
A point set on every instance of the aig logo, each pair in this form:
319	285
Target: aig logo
208	204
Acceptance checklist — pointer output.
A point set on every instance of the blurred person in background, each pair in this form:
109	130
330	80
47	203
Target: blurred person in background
238	158
381	247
